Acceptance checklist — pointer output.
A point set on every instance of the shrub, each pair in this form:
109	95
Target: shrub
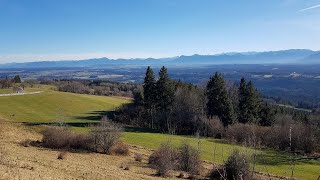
138	157
189	159
120	148
215	127
218	173
105	135
57	137
238	133
102	138
237	166
80	141
63	138
62	155
308	139
303	136
248	134
163	159
25	143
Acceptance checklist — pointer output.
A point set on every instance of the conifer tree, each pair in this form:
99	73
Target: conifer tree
138	98
253	103
249	103
267	115
165	90
219	103
243	110
149	89
17	79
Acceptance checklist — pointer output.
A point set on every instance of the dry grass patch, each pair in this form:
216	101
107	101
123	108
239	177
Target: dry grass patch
18	162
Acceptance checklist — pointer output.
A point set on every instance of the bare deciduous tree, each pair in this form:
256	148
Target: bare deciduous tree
105	135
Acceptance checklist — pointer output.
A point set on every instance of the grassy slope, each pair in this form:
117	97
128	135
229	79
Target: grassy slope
85	108
269	161
51	106
34	89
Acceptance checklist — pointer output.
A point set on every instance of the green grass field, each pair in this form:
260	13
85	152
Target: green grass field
274	162
214	150
52	106
27	90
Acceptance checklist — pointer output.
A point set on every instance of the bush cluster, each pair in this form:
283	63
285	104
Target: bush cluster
237	167
247	134
276	136
163	159
167	158
64	138
215	127
189	159
102	138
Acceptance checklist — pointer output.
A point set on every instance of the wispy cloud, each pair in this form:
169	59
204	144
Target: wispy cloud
309	8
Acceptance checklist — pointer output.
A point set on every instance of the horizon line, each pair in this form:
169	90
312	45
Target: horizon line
133	58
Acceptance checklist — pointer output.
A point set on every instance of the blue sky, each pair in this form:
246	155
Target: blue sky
33	30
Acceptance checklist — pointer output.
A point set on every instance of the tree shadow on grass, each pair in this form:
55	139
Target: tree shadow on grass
90	119
70	124
96	115
140	130
274	158
220	141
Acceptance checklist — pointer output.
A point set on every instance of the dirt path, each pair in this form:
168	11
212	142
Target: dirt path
21	94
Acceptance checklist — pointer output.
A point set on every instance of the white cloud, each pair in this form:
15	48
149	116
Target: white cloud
309	8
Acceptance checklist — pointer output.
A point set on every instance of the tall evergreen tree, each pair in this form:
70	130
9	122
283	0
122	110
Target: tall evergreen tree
165	98
165	90
150	94
249	103
253	103
243	110
267	115
138	98
149	89
219	103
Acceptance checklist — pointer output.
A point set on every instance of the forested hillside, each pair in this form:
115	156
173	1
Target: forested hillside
220	109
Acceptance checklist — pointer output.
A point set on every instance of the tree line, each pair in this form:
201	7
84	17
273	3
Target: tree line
220	109
9	82
93	87
175	107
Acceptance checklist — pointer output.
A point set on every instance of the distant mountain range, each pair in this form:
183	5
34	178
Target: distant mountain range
292	56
